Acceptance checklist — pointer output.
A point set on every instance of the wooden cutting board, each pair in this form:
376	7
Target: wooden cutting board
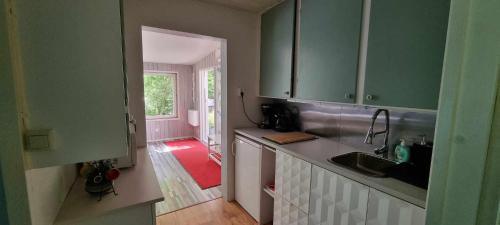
289	137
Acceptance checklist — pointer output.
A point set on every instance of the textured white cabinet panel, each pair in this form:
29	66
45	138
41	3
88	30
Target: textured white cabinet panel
336	200
287	214
293	180
384	209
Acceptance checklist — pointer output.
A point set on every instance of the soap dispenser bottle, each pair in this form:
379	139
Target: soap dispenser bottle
402	152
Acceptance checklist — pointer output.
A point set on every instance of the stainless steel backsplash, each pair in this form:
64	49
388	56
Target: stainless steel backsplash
348	124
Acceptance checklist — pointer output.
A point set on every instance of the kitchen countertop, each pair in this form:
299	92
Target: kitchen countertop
319	150
136	186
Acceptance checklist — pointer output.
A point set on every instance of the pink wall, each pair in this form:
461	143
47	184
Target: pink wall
165	129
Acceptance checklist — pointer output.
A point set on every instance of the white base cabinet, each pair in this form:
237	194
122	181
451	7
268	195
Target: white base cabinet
308	194
384	209
292	189
293	180
336	200
286	213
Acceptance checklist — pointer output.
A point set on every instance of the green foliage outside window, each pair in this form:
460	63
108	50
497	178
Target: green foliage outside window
211	84
159	94
211	95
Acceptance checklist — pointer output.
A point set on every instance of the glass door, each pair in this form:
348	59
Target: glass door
208	105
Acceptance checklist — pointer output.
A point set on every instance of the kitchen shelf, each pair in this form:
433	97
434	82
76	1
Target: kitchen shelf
268	191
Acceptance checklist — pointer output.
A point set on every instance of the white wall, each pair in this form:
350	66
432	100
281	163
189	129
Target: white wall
166	129
240	29
47	189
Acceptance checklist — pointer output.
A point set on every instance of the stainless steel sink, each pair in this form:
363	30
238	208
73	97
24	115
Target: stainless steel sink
367	164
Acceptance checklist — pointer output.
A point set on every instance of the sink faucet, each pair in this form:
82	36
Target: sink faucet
370	134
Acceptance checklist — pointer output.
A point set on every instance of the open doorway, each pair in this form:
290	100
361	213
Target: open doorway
182	103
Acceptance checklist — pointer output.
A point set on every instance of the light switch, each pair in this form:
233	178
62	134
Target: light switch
38	139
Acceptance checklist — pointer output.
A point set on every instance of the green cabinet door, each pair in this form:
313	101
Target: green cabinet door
406	44
276	53
328	50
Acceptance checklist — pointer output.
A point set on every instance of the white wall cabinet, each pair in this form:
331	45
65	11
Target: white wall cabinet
247	176
293	180
384	209
73	78
336	200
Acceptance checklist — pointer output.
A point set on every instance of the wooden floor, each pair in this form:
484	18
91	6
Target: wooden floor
179	189
216	212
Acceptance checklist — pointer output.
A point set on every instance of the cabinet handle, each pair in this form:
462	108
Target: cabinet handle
347	96
369	97
232	148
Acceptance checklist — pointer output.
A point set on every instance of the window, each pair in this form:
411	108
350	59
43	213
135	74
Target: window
160	95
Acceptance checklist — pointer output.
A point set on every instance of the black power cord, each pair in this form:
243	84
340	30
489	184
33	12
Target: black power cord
244	109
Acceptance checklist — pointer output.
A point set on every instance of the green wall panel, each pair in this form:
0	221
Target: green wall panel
406	44
71	56
328	49
277	44
3	203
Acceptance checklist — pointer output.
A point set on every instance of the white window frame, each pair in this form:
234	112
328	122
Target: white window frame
176	95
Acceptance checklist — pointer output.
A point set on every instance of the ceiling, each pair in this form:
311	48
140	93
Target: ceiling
162	47
248	5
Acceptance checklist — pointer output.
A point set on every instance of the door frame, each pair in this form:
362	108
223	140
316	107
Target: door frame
464	124
11	154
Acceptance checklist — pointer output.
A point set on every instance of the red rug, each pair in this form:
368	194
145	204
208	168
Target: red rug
193	156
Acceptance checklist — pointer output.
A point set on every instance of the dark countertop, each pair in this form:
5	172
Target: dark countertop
319	150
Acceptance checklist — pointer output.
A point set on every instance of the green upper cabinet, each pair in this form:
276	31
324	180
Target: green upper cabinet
72	63
276	53
405	52
328	50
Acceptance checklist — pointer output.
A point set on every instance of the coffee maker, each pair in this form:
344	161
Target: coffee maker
283	119
277	117
268	119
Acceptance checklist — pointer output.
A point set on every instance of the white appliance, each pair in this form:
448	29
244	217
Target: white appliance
247	175
131	158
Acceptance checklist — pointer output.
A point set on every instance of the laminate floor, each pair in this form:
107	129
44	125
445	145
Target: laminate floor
179	189
216	212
